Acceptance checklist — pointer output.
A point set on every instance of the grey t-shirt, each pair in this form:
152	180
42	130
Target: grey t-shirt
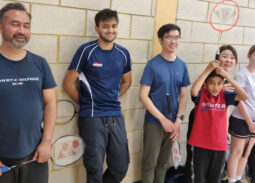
246	79
21	103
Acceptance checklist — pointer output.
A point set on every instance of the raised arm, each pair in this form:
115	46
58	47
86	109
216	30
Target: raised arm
125	83
69	85
201	79
241	94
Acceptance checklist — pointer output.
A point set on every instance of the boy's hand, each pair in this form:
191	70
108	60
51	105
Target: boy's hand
221	72
229	87
213	65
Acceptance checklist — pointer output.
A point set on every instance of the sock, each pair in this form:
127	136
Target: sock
238	178
231	180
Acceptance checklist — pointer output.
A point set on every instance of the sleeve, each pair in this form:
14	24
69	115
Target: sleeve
48	79
79	60
148	73
128	65
230	98
197	98
185	80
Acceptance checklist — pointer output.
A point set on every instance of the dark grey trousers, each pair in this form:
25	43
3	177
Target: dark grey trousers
104	135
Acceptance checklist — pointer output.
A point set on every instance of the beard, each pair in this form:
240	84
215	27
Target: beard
13	40
105	39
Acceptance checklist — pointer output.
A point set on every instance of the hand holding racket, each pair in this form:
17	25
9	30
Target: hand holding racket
7	168
65	151
43	152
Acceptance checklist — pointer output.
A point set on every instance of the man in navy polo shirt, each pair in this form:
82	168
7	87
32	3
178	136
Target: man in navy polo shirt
104	71
164	87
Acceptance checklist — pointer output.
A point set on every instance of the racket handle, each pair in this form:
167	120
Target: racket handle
4	169
169	104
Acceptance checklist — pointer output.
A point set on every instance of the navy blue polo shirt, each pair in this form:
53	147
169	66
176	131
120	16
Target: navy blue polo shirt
100	73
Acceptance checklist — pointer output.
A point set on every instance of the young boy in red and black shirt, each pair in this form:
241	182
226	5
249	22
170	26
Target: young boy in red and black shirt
209	132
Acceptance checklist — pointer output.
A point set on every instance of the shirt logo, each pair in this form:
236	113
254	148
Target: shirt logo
18	81
96	64
213	107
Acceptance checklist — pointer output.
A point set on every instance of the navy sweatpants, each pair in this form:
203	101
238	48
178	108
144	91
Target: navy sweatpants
104	135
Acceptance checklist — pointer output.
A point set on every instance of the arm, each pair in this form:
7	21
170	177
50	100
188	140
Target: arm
69	85
126	83
43	151
148	104
243	111
201	79
183	100
241	94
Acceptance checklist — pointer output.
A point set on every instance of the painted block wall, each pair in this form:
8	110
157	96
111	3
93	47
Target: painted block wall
59	27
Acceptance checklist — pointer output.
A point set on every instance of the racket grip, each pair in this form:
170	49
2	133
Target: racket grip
4	169
217	55
169	104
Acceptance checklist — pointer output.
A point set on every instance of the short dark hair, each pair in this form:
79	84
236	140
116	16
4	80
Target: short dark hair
12	6
106	14
213	74
231	48
166	28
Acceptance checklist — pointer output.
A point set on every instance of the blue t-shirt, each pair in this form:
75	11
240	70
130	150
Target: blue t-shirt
21	106
100	73
164	77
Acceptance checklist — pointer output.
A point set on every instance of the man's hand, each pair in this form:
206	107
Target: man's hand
176	130
1	164
167	125
43	152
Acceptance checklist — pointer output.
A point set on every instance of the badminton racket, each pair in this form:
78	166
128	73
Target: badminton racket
65	111
8	168
67	150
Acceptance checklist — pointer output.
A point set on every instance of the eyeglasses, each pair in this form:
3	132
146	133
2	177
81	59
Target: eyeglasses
171	38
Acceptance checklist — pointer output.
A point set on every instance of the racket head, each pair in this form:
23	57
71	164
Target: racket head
67	150
65	111
225	15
